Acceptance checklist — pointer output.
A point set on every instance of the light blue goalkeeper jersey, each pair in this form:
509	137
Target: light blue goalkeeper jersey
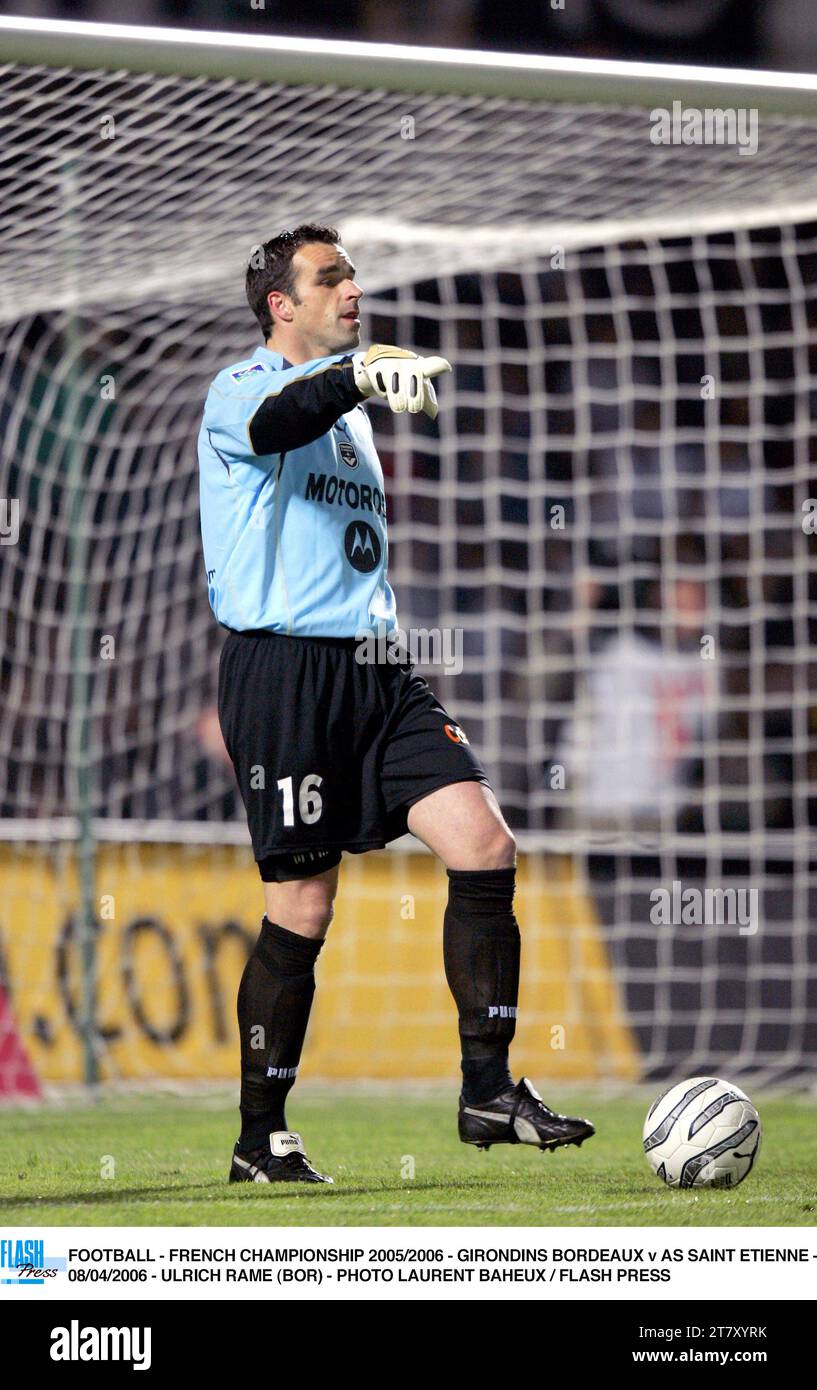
293	513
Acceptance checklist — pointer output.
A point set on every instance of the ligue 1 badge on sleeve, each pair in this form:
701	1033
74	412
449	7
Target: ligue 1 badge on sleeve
248	371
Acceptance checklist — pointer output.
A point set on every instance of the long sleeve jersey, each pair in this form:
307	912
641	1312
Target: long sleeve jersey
293	513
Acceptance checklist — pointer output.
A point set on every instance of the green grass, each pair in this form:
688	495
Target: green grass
172	1153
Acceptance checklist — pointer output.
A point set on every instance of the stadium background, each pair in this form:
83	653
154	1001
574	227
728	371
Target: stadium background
631	1003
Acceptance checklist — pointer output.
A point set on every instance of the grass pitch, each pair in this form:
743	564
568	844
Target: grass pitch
396	1161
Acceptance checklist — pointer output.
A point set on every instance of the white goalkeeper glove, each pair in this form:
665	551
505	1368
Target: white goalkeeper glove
399	377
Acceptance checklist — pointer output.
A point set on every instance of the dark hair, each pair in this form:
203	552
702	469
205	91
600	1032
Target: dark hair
270	267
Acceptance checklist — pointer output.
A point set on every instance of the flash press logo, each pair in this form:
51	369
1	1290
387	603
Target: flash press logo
24	1262
75	1343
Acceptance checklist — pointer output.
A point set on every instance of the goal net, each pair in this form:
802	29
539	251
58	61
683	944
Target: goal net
611	523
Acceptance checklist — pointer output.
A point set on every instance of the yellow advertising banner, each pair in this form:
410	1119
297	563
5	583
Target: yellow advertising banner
175	924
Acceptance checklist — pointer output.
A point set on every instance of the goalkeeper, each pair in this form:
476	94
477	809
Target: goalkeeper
333	753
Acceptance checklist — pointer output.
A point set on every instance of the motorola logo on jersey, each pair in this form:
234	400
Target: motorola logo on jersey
325	487
362	546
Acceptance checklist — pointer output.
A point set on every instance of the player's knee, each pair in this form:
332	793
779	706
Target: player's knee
305	908
493	847
311	915
499	849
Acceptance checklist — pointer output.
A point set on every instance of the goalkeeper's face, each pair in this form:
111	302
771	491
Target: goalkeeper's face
325	312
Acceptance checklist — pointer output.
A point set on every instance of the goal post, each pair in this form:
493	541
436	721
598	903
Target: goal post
368	66
611	516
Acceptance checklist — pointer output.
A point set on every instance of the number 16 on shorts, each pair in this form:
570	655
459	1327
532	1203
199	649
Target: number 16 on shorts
310	803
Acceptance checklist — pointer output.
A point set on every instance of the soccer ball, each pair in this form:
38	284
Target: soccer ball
702	1133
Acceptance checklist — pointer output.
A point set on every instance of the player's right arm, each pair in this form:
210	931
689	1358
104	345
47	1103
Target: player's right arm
399	377
256	411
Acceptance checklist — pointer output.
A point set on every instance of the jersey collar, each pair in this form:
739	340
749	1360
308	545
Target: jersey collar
265	354
275	359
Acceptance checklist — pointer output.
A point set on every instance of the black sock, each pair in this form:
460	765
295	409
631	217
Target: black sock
484	1077
481	947
274	1000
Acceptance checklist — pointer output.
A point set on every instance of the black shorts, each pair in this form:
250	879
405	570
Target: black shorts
329	752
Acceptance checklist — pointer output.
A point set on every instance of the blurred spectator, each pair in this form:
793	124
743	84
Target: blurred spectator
641	715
